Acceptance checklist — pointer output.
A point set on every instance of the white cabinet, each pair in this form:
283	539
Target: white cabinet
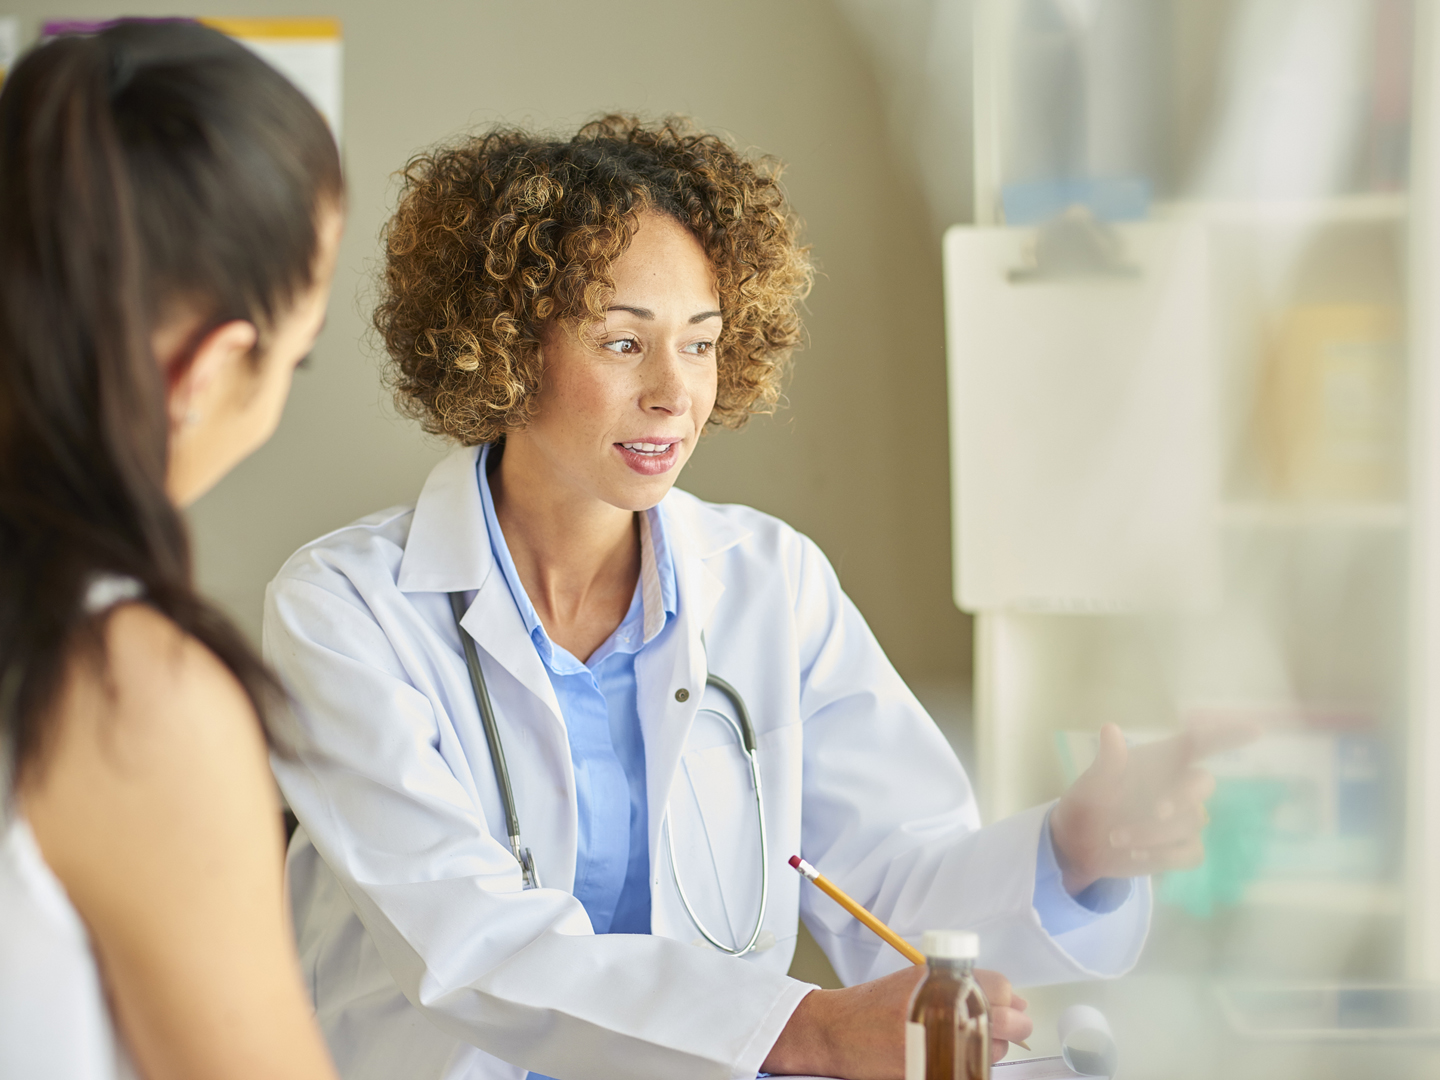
1300	142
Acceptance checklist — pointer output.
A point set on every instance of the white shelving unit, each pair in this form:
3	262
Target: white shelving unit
1369	635
1342	209
1344	516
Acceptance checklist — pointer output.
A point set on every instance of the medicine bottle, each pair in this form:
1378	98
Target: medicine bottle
948	1033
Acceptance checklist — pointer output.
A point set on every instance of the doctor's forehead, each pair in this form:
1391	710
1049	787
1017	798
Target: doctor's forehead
664	273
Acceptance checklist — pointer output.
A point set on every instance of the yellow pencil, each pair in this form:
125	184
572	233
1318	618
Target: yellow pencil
890	937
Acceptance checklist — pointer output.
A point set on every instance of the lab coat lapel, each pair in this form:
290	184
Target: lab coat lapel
495	624
661	673
532	731
448	550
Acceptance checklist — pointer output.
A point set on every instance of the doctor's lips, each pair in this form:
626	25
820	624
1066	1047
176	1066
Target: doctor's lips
650	457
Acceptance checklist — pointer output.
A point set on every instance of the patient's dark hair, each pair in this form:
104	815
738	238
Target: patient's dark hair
150	170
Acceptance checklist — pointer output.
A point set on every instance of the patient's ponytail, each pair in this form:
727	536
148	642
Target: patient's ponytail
150	169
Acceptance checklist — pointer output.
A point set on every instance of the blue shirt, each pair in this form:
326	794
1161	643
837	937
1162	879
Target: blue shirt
598	703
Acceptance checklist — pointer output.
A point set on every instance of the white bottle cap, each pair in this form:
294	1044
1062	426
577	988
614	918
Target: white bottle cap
950	944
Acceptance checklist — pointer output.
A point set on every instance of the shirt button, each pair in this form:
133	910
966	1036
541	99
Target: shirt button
682	694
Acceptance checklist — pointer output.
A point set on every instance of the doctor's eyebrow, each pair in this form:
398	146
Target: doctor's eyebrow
646	313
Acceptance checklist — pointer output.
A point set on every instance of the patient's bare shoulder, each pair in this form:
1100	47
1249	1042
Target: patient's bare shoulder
154	746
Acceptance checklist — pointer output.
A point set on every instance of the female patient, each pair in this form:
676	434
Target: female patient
169	213
575	313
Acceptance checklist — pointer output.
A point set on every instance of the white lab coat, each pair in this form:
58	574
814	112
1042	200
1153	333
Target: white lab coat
425	956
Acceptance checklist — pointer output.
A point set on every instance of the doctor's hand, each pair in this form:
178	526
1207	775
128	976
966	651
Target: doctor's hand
1139	810
859	1033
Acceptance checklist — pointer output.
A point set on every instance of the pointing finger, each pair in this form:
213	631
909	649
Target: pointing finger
1113	755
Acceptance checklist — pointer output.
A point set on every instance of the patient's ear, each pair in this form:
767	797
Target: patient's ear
202	377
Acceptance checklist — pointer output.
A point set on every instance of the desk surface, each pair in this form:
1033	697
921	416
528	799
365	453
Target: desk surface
1172	1029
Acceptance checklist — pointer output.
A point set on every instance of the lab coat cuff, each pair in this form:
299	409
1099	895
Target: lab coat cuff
1060	912
792	992
1104	948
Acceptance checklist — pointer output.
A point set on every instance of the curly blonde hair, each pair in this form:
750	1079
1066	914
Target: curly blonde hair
500	234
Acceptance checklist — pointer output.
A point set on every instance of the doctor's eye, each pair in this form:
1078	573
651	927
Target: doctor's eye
627	346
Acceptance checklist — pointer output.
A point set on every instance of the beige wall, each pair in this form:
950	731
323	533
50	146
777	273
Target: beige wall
858	460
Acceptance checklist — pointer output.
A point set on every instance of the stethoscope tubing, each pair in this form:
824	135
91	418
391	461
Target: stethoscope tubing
745	732
742	726
497	749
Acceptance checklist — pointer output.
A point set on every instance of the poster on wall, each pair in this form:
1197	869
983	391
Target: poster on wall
308	51
9	44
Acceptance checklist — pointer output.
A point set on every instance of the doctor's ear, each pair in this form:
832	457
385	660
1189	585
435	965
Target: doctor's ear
203	375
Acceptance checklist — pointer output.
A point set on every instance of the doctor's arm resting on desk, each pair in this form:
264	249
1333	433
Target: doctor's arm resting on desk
638	283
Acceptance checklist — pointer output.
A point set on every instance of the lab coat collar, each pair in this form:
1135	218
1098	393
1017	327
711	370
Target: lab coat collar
701	530
448	549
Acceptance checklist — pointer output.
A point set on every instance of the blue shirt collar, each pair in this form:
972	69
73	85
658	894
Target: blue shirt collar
657	574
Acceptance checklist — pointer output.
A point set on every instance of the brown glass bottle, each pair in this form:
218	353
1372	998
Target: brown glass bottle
948	1033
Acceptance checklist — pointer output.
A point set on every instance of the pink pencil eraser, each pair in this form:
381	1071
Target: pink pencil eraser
795	861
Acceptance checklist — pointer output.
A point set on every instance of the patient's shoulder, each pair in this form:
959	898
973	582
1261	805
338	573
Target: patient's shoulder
148	703
153	744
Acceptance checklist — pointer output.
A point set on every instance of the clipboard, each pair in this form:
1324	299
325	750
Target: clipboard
1084	434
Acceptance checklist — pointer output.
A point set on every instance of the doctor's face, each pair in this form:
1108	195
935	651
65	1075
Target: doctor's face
621	407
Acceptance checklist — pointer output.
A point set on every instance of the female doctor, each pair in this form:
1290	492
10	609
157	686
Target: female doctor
574	313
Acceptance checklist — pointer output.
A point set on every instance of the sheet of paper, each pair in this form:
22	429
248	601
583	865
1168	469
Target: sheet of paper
1046	1068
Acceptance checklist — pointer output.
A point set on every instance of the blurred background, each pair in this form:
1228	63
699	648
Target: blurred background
1117	402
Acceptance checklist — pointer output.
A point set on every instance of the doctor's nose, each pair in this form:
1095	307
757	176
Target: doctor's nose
665	389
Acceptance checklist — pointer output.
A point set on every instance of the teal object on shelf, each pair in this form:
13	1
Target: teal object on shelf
1236	841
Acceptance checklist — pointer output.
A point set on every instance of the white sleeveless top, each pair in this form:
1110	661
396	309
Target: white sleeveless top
55	1023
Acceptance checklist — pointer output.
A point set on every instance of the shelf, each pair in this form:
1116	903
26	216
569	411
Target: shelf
1332	895
1378	207
1276	515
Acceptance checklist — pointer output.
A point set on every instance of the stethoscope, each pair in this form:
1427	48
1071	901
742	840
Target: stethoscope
740	724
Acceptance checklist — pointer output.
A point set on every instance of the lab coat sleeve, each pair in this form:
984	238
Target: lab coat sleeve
517	973
889	815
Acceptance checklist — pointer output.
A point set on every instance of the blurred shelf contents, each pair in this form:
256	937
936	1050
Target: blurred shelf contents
1363	898
1298	816
1331	404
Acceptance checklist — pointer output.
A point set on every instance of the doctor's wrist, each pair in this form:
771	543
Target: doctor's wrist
857	1032
805	1044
